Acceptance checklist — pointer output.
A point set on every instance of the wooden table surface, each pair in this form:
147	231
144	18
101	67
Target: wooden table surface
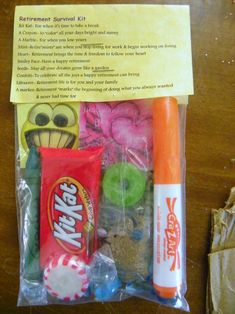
210	150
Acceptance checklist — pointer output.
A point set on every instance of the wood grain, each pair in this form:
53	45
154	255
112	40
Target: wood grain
209	150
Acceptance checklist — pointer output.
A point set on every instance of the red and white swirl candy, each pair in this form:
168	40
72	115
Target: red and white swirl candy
65	277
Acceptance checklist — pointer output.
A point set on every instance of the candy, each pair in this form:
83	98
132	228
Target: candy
102	233
102	269
137	235
104	281
124	184
70	184
107	290
66	278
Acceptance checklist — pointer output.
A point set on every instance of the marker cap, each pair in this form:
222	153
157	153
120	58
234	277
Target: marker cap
166	153
166	292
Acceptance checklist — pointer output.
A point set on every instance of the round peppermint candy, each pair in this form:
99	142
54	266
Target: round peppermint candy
65	277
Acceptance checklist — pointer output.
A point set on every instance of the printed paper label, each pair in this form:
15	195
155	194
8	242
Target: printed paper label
100	52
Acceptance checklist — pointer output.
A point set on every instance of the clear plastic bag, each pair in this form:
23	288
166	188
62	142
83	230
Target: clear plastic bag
120	264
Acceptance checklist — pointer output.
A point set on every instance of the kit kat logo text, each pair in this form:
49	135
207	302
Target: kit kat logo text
172	233
67	213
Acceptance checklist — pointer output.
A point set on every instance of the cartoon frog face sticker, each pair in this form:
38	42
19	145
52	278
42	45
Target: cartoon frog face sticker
50	125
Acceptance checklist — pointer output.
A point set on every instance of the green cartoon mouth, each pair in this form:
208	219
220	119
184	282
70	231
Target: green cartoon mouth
50	138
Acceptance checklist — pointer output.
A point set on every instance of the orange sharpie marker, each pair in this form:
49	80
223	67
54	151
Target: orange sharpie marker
168	250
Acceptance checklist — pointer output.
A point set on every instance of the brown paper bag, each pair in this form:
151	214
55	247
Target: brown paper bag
221	279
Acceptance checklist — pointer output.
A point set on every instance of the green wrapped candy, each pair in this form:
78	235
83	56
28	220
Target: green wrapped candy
124	184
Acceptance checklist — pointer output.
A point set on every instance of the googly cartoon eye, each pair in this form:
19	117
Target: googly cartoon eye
40	114
60	120
64	116
42	119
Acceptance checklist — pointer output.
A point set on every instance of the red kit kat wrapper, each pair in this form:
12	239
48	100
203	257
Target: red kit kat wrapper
70	182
